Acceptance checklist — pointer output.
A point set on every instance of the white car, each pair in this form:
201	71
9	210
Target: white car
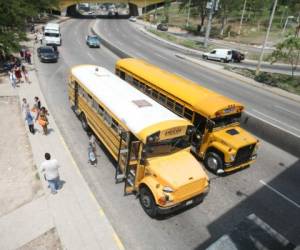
132	19
223	55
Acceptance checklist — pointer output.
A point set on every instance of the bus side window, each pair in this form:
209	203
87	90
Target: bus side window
122	75
142	87
100	110
72	84
188	114
90	99
135	83
107	118
95	105
128	78
117	72
179	108
115	125
162	98
148	90
154	94
170	103
80	90
199	123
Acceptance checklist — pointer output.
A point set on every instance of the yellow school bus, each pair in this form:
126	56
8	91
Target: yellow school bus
150	144
219	140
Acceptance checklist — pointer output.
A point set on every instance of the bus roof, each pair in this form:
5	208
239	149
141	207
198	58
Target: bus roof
136	110
203	100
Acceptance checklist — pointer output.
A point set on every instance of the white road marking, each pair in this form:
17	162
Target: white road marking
276	120
280	194
159	55
286	110
90	55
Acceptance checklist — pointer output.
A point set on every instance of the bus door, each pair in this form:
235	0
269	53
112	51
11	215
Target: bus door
127	162
197	138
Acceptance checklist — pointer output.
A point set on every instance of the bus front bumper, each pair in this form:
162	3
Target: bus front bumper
229	167
187	203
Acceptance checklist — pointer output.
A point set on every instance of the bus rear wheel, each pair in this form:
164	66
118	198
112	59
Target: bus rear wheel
213	162
148	203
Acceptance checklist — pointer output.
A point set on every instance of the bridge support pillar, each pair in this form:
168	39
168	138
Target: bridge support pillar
134	10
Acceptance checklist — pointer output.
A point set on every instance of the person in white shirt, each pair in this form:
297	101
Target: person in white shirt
50	169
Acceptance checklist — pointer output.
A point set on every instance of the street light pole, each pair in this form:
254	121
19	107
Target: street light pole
242	17
266	39
208	27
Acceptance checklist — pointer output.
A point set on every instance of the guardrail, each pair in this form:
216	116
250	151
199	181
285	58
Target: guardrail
283	139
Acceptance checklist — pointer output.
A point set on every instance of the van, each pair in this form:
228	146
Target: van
224	55
52	34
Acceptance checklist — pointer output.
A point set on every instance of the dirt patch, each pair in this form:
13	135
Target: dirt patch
48	240
18	180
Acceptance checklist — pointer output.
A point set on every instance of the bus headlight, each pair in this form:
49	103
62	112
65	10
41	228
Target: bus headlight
168	190
254	152
232	157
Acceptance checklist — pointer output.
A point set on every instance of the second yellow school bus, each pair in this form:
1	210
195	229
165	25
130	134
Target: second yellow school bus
219	140
150	144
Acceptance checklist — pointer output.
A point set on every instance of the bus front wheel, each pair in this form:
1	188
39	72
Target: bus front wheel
147	201
213	162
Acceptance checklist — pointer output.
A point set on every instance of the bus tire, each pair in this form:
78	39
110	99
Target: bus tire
213	162
84	123
147	201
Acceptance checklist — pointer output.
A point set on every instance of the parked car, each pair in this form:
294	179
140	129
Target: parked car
224	55
47	54
132	19
162	27
93	41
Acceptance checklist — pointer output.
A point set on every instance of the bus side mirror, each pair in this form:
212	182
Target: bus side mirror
210	125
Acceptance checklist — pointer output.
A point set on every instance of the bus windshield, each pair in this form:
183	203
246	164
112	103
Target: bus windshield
227	120
167	146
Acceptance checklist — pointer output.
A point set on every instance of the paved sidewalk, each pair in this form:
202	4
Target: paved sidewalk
73	211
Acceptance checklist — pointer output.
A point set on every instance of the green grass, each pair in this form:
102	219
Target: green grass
181	41
282	81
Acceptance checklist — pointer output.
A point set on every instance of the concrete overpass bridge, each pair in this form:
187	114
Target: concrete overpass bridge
135	6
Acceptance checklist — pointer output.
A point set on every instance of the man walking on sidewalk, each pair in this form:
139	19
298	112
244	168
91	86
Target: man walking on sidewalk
50	169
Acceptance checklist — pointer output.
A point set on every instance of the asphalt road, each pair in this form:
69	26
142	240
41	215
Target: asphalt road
277	110
269	189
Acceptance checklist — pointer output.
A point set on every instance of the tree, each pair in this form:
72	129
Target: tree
14	15
289	50
199	5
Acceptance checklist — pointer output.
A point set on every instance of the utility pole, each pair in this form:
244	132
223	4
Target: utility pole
266	39
242	17
188	16
210	5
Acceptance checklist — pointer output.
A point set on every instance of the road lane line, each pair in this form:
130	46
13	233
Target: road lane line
275	126
286	110
275	120
280	194
118	241
159	55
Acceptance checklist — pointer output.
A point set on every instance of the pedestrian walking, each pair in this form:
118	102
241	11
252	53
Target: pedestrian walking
40	37
42	119
37	105
92	150
25	106
12	78
25	74
22	53
30	121
27	55
50	170
18	74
